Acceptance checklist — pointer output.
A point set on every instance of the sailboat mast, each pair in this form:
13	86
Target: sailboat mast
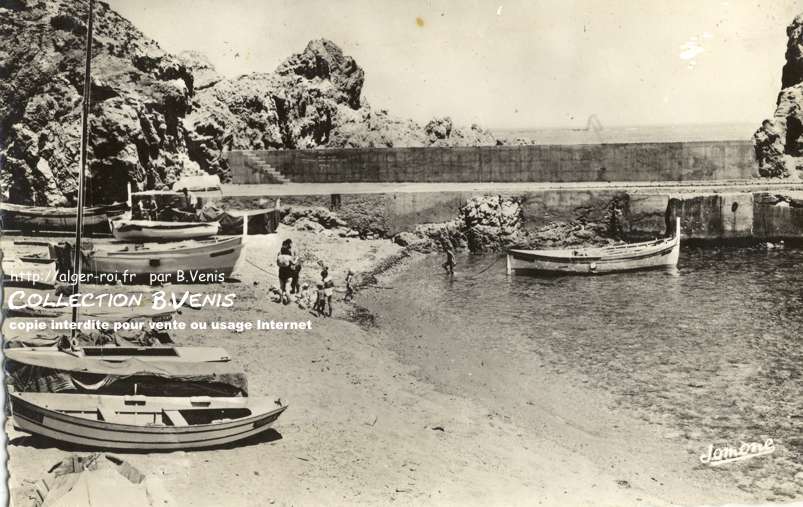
79	224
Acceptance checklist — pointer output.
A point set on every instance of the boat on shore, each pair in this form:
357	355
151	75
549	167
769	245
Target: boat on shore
43	218
117	354
105	314
63	372
662	253
38	333
179	262
149	230
139	422
28	272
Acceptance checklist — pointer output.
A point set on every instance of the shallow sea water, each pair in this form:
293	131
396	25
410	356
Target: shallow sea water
712	351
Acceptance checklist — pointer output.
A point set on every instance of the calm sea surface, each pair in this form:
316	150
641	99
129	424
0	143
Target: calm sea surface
713	352
600	133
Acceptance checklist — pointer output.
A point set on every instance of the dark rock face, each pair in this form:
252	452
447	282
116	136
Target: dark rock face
156	117
140	94
322	59
793	70
779	140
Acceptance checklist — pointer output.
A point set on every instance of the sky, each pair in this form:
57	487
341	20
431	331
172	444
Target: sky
509	64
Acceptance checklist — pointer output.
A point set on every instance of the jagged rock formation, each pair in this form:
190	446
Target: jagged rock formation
779	141
157	117
140	94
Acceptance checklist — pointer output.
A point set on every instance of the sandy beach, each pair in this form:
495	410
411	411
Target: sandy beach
365	426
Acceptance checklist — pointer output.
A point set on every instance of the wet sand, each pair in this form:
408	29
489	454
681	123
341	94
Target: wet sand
364	425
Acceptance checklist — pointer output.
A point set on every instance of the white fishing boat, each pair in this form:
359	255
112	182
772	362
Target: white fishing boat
151	230
206	186
662	253
191	261
42	356
41	218
143	422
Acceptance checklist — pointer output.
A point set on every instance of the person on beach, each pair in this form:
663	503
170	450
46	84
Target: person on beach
328	287
295	266
304	298
285	260
449	264
320	300
349	289
294	287
140	211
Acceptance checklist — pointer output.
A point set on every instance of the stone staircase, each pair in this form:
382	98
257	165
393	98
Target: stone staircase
264	169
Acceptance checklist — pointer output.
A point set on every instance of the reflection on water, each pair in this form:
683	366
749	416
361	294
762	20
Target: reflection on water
713	350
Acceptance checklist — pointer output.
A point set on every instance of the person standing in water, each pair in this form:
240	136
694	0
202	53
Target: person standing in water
328	287
349	289
450	263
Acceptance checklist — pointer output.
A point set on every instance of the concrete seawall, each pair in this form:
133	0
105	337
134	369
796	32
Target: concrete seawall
707	217
688	161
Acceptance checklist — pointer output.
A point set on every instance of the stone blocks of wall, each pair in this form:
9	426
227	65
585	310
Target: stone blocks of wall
693	161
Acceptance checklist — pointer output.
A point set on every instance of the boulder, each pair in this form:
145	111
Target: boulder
406	238
305	224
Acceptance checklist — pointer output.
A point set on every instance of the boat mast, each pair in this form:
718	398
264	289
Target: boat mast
79	224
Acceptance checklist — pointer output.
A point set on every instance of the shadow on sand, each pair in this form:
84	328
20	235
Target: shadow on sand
40	442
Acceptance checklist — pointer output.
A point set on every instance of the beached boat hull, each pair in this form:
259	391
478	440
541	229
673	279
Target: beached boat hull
143	423
147	230
40	273
632	257
112	354
56	219
120	314
178	262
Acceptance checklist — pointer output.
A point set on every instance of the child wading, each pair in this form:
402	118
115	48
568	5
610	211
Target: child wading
328	288
320	301
349	289
449	264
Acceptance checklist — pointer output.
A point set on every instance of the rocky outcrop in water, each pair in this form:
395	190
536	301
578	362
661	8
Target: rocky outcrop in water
157	117
779	141
495	223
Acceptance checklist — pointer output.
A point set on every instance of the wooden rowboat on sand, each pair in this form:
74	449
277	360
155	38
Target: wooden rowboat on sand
43	218
149	230
189	258
28	272
61	372
111	354
661	253
143	423
118	314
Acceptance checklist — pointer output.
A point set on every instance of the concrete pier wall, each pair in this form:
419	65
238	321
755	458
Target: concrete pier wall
713	217
690	161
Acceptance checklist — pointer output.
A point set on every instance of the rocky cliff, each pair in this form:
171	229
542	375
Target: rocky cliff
779	140
157	117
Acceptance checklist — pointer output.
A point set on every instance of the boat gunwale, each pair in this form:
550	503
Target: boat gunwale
623	255
232	242
161	224
47	212
155	430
